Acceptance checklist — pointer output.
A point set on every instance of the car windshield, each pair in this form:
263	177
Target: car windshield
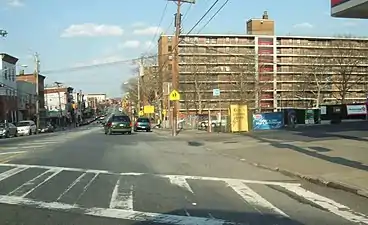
23	124
121	119
144	120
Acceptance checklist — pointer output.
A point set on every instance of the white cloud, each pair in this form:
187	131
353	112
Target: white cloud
15	3
138	24
102	60
350	24
92	30
130	44
148	31
149	44
303	25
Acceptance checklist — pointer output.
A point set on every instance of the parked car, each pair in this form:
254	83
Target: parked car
118	124
142	123
26	127
8	130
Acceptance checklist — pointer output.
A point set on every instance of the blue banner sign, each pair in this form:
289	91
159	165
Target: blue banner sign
268	121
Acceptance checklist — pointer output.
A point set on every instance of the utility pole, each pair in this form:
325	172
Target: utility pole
37	71
58	84
140	75
175	64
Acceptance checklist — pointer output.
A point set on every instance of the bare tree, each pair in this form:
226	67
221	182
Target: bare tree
131	88
315	76
348	64
195	85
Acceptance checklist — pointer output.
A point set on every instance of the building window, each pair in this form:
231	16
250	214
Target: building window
5	73
169	48
169	38
207	40
13	74
227	39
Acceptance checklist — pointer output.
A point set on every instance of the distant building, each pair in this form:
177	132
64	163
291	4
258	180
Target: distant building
264	71
58	101
8	88
99	97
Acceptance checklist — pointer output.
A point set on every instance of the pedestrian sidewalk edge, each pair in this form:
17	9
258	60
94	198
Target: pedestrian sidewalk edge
316	180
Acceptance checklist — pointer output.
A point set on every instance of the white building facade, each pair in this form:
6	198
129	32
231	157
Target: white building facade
8	88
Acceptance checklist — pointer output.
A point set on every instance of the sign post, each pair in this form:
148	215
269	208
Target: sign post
174	96
217	92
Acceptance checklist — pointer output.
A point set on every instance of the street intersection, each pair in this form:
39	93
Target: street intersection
86	177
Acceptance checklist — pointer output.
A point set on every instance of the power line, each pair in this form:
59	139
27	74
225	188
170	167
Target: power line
194	26
213	16
159	25
205	14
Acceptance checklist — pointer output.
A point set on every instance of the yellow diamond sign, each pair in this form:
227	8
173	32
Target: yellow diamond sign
174	96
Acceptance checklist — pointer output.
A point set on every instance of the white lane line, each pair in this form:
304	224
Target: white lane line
56	172
181	182
71	186
114	213
24	187
86	187
121	200
158	175
253	198
329	204
8	153
11	172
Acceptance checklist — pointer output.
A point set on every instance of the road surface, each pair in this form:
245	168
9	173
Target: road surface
85	177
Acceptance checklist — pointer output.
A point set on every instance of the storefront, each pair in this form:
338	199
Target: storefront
349	9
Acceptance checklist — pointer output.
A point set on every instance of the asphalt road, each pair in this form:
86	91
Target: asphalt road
87	178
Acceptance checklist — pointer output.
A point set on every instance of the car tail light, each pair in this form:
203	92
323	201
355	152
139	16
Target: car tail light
109	124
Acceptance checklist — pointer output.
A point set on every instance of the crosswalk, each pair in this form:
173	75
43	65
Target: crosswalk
167	199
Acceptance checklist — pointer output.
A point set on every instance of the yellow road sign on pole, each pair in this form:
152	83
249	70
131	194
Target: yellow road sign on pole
148	109
174	96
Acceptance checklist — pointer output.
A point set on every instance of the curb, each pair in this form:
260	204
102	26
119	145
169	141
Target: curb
311	179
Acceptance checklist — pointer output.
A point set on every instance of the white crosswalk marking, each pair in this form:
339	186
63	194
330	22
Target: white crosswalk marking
252	197
124	200
121	200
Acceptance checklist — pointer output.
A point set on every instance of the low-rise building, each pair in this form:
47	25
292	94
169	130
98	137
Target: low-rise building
26	100
58	101
32	79
99	97
8	88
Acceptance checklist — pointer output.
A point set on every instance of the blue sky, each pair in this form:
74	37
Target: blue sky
69	33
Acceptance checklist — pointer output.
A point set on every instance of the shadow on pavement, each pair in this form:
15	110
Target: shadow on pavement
229	217
357	131
333	159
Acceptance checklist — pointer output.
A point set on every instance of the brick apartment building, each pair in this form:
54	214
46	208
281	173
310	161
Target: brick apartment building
8	88
31	78
265	71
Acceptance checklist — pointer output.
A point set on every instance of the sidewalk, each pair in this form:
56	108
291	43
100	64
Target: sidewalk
341	163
